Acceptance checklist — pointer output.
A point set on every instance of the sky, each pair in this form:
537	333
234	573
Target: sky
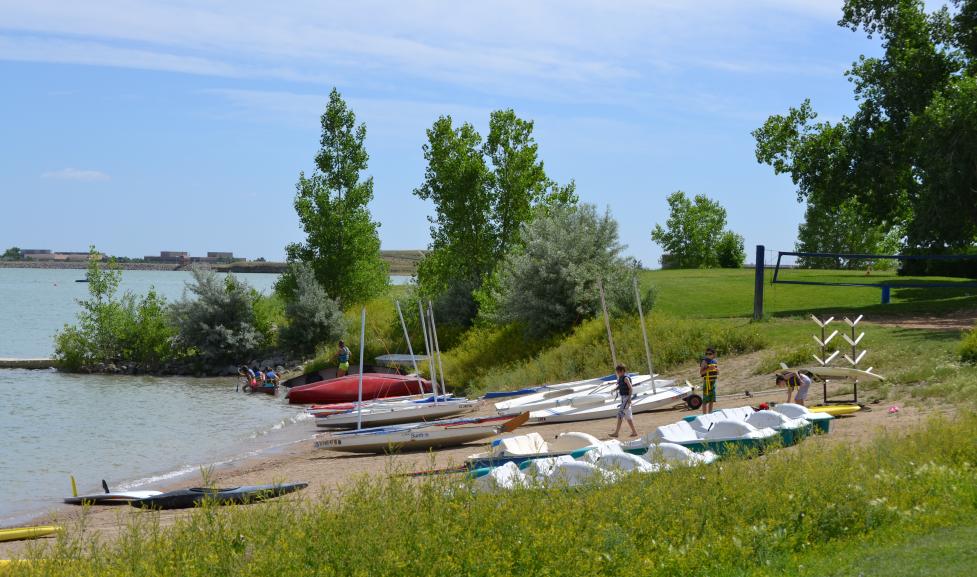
183	124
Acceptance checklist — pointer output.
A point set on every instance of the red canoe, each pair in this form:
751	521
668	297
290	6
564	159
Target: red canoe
346	389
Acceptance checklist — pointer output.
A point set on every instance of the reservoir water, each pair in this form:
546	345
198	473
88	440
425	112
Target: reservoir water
130	430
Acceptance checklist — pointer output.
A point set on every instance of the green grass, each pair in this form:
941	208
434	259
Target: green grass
817	503
719	293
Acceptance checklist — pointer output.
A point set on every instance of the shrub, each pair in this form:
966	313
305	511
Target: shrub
312	317
129	328
968	347
729	250
551	284
219	323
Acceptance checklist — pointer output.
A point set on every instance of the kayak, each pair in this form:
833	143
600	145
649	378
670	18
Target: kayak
20	533
186	498
346	389
113	498
835	410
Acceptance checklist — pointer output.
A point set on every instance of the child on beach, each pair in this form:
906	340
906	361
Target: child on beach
709	371
799	381
625	390
343	356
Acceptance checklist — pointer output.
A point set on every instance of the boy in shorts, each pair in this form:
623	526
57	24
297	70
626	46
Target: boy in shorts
709	371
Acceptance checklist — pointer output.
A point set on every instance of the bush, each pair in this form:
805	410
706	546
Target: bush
551	284
968	347
130	329
312	317
729	251
219	325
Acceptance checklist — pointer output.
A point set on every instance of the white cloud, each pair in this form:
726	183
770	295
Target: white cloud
76	174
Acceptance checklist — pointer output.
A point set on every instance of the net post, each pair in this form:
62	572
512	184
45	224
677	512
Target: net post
758	283
885	294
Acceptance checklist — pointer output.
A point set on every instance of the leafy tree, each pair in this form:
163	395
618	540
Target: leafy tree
342	245
313	317
843	228
551	283
12	253
114	329
483	192
692	234
908	155
729	250
218	323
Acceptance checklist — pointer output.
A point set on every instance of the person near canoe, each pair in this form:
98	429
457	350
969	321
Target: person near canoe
709	371
271	377
247	374
343	355
799	381
625	390
259	376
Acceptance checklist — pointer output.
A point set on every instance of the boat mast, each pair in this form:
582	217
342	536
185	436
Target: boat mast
427	351
410	349
644	334
437	348
359	399
607	322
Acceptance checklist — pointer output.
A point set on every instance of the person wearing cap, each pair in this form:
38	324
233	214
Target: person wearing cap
709	371
625	390
799	381
343	355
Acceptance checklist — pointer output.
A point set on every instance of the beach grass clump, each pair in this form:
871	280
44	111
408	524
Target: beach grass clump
738	517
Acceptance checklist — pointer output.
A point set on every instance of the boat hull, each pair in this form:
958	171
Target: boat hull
114	498
392	416
186	498
665	397
346	389
408	440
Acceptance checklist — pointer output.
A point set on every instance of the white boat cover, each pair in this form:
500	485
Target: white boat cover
775	420
572	441
672	454
626	463
795	411
504	477
520	445
733	430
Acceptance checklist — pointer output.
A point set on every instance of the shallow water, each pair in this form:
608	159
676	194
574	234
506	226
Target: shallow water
131	431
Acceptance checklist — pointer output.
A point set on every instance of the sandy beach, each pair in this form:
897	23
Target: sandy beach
327	472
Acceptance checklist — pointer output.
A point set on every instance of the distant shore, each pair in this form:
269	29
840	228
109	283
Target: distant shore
401	262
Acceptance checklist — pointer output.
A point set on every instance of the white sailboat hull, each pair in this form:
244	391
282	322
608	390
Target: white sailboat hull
407	440
648	401
394	414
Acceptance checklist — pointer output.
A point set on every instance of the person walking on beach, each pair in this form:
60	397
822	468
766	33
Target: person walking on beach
801	381
625	390
343	355
709	371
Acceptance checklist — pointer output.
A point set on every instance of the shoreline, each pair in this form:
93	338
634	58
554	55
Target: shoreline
330	473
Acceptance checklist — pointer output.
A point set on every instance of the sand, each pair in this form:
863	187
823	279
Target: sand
328	472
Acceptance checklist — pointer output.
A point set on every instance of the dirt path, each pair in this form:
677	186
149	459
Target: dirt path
957	321
327	472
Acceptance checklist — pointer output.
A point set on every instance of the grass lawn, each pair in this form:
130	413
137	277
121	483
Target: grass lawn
718	293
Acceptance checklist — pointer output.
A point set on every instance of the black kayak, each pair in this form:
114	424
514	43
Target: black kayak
186	498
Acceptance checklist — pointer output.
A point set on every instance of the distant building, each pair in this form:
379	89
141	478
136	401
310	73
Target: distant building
169	256
221	255
47	254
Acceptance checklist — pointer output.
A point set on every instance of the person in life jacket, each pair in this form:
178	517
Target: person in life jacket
343	356
625	391
709	371
799	381
271	377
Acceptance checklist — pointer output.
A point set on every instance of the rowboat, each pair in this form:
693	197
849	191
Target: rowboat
420	436
647	400
21	533
346	389
186	498
397	412
723	437
821	421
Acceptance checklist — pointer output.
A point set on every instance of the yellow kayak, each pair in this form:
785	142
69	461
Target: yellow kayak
835	410
19	533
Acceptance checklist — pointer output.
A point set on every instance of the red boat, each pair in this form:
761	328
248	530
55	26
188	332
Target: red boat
346	389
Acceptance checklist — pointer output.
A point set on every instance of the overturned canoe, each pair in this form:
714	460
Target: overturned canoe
346	389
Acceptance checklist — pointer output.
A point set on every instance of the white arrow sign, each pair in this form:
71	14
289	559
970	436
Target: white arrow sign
853	342
827	340
854	322
857	359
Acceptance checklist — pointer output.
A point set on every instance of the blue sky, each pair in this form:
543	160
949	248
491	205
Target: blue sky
183	125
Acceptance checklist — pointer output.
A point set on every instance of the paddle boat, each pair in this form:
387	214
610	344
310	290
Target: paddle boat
723	437
791	430
821	421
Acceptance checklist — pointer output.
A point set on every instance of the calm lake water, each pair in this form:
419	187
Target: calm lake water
131	431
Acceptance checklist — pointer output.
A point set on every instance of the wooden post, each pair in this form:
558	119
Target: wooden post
758	283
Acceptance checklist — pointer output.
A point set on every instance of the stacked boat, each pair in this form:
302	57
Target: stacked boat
594	399
391	412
